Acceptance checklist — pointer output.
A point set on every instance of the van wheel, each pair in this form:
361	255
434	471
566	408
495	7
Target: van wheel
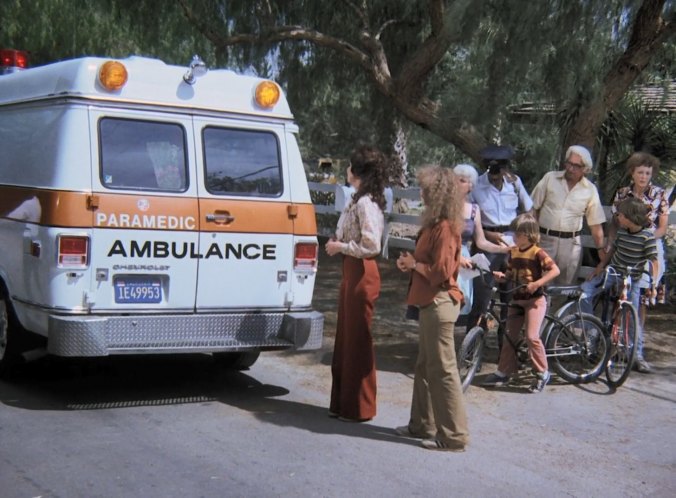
10	348
237	360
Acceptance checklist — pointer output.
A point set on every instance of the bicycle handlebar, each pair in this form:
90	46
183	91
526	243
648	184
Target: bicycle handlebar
628	271
483	274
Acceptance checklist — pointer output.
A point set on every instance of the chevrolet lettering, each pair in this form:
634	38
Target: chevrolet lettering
151	208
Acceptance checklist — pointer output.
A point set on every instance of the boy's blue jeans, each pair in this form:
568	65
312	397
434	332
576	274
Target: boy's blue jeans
593	287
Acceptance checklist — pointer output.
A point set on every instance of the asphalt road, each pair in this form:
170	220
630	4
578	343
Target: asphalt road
178	426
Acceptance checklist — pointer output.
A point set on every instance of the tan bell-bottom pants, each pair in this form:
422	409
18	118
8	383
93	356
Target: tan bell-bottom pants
438	405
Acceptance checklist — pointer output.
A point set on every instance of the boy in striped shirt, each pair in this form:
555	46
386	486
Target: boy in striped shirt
633	246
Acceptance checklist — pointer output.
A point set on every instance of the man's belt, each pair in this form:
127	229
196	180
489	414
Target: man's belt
501	228
561	235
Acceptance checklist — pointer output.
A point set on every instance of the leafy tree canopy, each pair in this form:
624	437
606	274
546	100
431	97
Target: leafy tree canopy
364	70
452	67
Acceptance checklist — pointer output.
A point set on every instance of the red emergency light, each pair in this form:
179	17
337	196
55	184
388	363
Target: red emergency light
13	60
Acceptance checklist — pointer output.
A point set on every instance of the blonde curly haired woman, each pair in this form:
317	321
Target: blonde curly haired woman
438	414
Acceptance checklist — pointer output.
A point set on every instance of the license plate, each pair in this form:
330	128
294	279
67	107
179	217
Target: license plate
138	290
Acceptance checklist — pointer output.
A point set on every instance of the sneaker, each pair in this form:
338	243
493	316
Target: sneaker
404	431
495	380
541	379
642	366
435	444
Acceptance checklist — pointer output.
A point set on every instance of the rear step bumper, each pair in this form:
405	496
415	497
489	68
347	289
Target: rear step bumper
102	336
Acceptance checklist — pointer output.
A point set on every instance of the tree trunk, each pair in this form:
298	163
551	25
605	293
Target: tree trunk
399	175
648	33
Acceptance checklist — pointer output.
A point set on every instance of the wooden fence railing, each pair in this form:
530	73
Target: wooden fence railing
413	193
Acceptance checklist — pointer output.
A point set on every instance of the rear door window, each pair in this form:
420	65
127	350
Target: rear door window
242	162
142	155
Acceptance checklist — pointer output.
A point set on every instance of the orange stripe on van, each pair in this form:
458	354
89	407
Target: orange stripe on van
306	221
45	207
144	212
228	215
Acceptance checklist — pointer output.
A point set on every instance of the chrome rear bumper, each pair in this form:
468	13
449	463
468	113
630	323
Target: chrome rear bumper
105	335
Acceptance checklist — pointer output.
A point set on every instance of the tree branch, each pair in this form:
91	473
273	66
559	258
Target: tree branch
361	13
436	10
373	60
202	27
416	70
413	104
648	34
384	26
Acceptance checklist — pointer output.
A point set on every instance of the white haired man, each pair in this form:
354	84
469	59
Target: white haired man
561	200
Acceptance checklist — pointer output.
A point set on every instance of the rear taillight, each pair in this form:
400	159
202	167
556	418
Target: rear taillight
305	256
73	250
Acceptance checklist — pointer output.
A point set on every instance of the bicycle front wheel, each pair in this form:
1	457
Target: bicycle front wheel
577	348
622	345
469	356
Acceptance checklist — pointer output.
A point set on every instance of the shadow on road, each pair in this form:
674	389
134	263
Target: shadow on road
113	382
137	381
262	401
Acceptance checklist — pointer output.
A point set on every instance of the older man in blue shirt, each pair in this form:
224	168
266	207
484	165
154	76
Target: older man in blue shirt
501	196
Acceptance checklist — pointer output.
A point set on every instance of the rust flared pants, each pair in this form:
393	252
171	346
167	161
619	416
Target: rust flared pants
353	368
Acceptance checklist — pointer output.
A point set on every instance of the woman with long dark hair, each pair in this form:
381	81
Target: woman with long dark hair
438	414
358	238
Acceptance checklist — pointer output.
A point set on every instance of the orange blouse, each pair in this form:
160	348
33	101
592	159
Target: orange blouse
437	254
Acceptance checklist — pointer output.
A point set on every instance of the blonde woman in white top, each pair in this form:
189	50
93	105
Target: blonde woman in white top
472	232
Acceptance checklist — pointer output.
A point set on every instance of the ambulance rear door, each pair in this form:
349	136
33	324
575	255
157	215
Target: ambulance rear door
144	248
246	232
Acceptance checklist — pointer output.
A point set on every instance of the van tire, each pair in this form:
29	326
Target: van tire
10	339
240	360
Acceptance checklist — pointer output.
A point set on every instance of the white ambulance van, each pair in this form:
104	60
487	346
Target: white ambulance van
149	208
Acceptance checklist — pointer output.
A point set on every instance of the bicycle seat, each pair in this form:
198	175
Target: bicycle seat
571	291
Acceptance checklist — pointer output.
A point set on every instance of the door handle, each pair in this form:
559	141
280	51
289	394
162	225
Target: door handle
220	218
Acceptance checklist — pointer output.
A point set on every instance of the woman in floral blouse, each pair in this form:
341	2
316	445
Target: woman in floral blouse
642	167
358	237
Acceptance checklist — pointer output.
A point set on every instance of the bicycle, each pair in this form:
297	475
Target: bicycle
619	317
575	345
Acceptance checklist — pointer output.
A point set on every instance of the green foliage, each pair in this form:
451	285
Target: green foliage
635	126
506	52
52	30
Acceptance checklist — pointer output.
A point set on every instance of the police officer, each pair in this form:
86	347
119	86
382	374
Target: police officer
501	196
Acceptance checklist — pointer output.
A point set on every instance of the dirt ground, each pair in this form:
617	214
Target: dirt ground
396	338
